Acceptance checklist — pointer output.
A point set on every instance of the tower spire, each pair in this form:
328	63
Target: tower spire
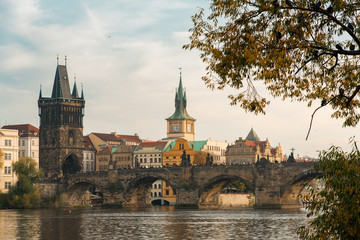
75	93
40	94
180	102
82	91
57	59
61	88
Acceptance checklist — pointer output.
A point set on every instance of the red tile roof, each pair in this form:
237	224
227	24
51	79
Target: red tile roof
130	138
253	144
108	137
159	144
88	144
106	150
273	151
25	130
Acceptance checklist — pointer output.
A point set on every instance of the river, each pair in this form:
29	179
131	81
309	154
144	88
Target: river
150	223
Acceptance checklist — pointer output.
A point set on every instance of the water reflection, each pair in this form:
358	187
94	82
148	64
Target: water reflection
151	223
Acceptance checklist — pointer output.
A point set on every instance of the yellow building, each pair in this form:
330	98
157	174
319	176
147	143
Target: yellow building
172	156
173	153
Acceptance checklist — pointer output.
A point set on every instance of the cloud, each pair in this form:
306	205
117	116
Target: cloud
127	55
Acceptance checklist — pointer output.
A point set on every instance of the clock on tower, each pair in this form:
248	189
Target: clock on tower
181	124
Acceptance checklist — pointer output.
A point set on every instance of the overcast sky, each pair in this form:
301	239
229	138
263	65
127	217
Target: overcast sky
127	55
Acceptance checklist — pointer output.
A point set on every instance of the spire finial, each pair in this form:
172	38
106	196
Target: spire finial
57	58
180	71
82	91
65	60
40	94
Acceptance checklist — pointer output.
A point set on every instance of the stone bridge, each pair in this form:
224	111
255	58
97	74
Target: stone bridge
275	185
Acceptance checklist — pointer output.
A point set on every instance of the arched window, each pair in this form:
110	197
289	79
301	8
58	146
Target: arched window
71	137
155	194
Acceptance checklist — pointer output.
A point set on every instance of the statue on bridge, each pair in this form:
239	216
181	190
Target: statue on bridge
209	159
185	159
137	165
291	158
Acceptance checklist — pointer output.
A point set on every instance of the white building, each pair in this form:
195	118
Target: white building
9	146
28	140
149	154
89	156
217	150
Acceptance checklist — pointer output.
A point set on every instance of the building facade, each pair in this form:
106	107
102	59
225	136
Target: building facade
180	124
103	159
89	156
149	154
28	140
172	155
122	156
9	140
61	127
217	150
101	140
251	149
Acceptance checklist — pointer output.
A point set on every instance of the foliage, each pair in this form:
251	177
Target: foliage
200	158
302	50
336	207
24	195
236	184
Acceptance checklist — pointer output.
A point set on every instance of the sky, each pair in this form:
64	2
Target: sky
127	55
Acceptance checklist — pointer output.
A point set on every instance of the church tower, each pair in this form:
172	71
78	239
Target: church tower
61	127
181	124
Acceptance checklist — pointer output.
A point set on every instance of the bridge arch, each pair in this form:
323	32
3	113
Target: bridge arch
209	193
137	193
83	192
290	192
70	165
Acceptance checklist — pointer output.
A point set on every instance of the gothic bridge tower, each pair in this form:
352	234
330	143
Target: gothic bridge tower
61	127
181	124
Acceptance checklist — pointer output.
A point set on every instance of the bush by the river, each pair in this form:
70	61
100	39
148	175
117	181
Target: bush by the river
23	194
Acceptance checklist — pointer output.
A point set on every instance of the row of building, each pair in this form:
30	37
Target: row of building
60	147
104	151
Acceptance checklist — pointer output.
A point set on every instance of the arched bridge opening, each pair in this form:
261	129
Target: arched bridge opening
221	192
83	194
290	193
71	165
149	190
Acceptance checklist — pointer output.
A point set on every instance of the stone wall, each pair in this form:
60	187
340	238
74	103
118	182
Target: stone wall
47	190
231	200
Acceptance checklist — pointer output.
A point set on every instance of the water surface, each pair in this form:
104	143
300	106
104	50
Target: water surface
150	223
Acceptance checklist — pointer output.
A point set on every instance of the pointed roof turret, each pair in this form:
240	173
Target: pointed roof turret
40	94
180	104
252	136
82	92
61	88
75	93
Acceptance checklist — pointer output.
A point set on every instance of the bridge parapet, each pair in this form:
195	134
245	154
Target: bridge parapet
194	185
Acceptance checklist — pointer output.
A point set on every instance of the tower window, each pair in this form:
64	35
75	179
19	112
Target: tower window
71	137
